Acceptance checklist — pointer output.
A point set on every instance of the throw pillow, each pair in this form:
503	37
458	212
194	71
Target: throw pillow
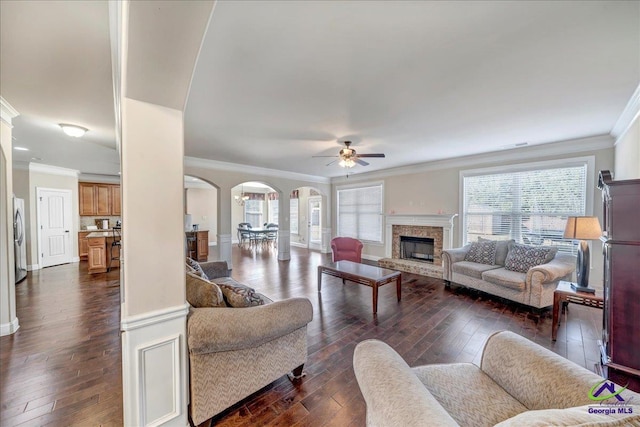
482	252
239	295
522	257
502	248
196	267
202	293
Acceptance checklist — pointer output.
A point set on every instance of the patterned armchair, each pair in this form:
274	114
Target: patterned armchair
518	384
234	352
346	248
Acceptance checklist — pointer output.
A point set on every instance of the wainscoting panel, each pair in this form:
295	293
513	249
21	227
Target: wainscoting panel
154	363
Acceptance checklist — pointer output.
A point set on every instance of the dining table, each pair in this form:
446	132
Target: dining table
257	235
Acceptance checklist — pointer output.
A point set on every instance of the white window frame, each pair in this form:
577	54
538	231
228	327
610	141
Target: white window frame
260	211
294	215
589	161
271	218
381	213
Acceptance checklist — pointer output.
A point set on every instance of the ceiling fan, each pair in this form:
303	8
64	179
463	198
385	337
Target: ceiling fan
348	157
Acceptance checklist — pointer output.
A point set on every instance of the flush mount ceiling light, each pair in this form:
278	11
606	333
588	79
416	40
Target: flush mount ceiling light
73	130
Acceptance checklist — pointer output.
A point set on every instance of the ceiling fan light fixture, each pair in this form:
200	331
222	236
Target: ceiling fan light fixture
347	163
73	130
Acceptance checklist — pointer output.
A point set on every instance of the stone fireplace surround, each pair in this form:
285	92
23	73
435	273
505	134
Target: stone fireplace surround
438	227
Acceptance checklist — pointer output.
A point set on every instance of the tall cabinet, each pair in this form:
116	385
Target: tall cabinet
620	347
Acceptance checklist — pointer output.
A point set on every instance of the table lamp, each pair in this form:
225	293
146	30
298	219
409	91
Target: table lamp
582	228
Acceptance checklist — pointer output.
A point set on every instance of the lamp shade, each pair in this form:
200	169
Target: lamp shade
582	228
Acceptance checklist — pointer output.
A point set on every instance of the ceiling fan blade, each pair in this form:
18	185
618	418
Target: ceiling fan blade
362	162
371	155
331	162
324	156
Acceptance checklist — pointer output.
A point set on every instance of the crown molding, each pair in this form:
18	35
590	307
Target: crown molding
53	170
629	114
246	169
101	178
571	146
7	112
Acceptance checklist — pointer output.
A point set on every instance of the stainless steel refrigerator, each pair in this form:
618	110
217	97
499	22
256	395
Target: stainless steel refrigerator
19	243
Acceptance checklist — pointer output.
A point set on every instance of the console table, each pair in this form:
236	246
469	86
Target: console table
564	295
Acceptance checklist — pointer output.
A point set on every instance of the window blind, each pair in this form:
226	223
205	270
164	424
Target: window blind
529	206
360	213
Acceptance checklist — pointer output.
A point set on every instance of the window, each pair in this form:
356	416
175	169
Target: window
529	205
273	211
253	212
360	213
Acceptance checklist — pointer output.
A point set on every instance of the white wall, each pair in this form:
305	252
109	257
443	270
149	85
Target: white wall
8	318
627	153
202	205
436	189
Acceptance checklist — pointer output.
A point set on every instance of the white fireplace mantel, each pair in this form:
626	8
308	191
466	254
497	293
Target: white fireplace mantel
441	220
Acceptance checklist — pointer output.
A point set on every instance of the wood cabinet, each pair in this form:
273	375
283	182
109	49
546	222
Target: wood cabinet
99	199
83	244
198	245
116	206
102	253
621	247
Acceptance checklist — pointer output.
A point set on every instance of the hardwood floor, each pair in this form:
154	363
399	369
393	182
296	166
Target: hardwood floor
63	366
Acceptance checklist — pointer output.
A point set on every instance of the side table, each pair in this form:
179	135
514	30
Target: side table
564	295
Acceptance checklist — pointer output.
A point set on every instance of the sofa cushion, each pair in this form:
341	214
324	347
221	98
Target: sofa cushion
502	248
503	277
522	257
195	267
469	395
238	295
202	293
579	415
472	269
482	252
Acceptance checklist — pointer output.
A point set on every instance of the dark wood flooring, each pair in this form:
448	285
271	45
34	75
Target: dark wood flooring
63	366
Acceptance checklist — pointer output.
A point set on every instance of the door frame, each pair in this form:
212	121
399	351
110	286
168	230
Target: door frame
39	191
315	245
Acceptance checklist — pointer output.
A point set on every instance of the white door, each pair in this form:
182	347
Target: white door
315	222
54	226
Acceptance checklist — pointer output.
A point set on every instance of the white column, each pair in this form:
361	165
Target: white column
284	245
224	248
284	228
326	241
8	317
154	356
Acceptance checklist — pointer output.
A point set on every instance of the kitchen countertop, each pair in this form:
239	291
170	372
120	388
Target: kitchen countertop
100	233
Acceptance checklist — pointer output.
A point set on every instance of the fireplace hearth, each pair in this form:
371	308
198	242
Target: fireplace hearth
416	248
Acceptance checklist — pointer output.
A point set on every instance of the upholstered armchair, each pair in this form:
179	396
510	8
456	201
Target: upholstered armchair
346	248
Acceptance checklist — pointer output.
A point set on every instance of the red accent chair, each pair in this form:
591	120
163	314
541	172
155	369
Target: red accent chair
346	248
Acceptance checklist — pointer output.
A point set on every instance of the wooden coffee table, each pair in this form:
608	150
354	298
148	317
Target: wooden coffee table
363	274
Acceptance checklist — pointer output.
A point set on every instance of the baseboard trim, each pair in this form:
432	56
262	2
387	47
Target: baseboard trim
298	245
371	257
9	328
153	317
33	267
75	259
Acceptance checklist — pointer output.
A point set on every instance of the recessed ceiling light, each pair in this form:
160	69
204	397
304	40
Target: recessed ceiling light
73	130
21	148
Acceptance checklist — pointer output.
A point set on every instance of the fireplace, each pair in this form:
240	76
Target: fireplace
426	235
416	248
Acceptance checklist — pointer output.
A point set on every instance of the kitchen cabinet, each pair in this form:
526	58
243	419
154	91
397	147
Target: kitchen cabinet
116	206
83	244
102	250
99	199
198	245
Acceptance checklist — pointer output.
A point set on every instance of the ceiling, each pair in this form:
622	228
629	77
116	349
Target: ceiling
278	82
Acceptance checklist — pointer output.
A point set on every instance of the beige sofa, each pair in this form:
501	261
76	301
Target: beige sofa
534	288
234	352
518	384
